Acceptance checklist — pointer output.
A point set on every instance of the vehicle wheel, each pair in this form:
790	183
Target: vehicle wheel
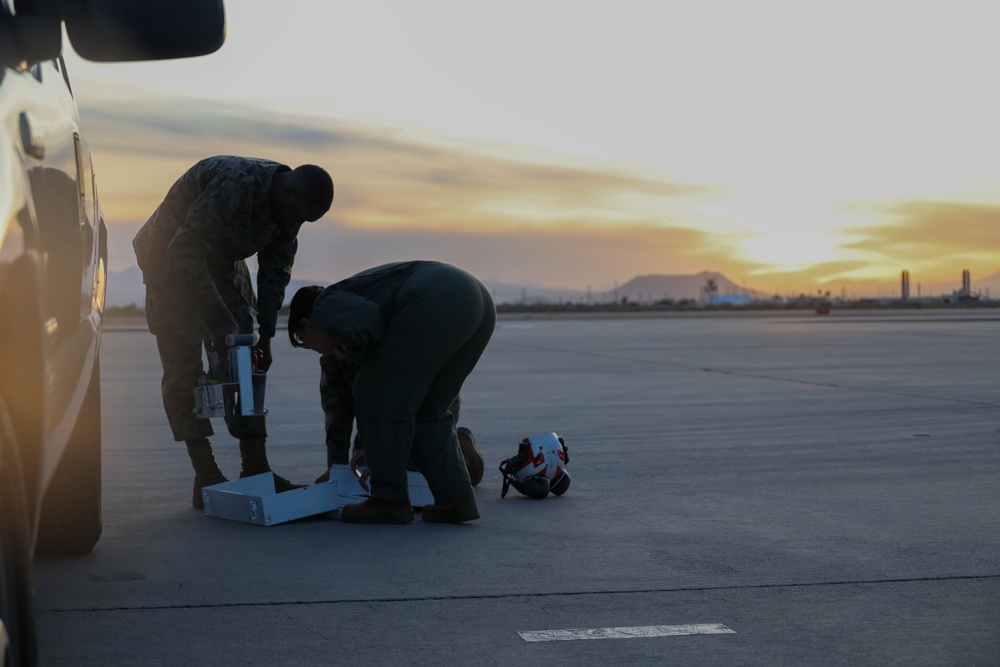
17	601
71	512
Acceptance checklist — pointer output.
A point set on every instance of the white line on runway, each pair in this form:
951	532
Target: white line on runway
626	633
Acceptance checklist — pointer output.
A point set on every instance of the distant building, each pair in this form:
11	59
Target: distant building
729	299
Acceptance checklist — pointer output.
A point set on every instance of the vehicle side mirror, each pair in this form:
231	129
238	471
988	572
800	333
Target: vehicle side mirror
123	30
116	30
26	40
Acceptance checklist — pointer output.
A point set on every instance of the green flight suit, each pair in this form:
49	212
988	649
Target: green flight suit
419	329
192	254
336	396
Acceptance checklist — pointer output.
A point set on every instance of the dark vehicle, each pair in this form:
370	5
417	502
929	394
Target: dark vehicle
53	267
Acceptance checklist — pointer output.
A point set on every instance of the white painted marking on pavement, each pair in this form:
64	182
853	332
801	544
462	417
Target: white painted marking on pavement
626	633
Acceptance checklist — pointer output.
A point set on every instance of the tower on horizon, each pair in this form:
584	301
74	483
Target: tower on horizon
904	287
966	283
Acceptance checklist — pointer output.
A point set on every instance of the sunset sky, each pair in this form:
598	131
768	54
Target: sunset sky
791	146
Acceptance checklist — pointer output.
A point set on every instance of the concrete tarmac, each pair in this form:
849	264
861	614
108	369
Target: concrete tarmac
826	489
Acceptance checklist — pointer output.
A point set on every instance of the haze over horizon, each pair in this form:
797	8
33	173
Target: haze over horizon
789	147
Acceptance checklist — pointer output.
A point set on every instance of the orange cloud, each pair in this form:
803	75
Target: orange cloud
929	229
499	211
935	239
401	196
589	256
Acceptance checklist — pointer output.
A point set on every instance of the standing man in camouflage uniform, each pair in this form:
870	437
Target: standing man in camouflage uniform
338	374
192	254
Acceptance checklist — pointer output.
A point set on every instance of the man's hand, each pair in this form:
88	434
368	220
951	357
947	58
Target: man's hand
359	460
264	352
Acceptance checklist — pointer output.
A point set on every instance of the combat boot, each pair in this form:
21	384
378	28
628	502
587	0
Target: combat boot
254	462
206	470
455	511
280	483
473	459
205	479
375	510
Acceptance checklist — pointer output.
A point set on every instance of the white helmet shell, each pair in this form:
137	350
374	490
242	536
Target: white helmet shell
546	458
538	468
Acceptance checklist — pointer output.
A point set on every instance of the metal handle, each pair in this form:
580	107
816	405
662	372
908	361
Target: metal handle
232	340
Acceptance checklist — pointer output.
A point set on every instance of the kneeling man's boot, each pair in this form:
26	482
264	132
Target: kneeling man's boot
473	459
455	511
376	510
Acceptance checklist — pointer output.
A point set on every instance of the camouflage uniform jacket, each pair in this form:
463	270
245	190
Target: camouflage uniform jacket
216	215
336	394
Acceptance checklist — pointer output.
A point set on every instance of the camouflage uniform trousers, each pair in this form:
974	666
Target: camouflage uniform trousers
176	320
336	394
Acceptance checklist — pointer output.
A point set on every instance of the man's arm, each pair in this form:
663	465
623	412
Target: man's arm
274	271
336	391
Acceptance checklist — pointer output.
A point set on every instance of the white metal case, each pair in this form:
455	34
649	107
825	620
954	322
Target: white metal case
253	499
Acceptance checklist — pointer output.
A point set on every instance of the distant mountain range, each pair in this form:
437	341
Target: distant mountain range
641	289
125	288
